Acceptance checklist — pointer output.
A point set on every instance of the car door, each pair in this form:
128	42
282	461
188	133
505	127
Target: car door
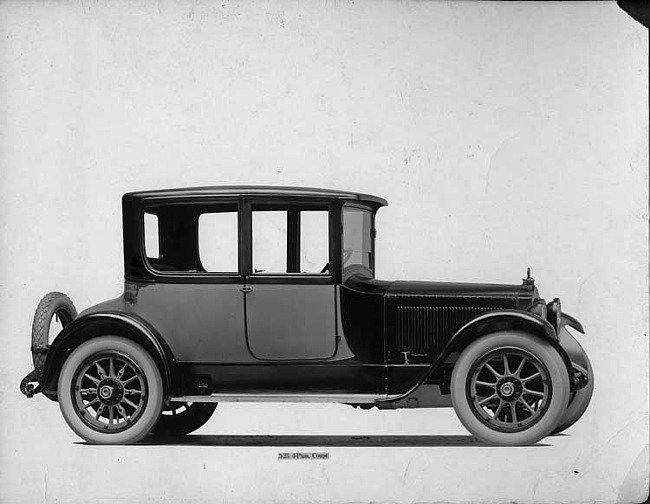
290	296
290	322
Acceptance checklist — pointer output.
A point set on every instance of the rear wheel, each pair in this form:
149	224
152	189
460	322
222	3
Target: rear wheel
110	391
510	388
180	418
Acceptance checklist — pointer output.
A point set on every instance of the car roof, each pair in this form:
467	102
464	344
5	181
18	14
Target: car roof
288	192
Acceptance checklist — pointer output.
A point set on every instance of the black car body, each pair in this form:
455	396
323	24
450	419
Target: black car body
297	333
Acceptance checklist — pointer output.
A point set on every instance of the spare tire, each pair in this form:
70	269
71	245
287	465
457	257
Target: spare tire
52	304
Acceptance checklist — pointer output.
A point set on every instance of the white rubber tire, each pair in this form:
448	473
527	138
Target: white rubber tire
578	402
149	416
559	385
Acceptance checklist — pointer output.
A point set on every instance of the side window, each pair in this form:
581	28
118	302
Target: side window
218	242
290	242
314	241
357	239
151	244
270	241
181	238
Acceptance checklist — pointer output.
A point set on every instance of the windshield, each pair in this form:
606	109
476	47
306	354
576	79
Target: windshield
357	237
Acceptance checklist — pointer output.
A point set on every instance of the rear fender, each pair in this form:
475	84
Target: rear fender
98	324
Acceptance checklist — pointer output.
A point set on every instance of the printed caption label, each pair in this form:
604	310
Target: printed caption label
303	456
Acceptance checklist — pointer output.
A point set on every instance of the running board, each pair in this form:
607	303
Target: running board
294	398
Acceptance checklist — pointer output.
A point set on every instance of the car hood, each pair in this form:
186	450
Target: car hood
451	289
521	294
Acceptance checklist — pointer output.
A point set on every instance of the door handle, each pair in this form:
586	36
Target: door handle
246	289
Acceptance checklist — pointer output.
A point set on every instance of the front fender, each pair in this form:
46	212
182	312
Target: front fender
574	350
572	322
499	321
490	322
97	324
504	320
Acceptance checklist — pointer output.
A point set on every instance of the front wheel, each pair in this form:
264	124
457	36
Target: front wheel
510	388
180	418
110	391
578	402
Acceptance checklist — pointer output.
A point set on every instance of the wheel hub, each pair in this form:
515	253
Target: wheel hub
110	391
509	389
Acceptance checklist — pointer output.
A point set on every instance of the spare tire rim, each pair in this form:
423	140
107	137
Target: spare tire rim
509	389
109	392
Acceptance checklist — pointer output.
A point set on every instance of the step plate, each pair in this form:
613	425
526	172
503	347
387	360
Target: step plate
293	398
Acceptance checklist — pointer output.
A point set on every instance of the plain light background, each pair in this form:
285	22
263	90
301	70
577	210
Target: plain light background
504	135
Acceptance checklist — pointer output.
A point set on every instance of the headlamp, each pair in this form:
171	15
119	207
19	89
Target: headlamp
554	313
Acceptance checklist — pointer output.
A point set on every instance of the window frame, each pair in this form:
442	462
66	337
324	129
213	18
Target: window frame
244	274
373	230
202	206
293	248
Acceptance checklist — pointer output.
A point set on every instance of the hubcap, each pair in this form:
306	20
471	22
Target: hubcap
506	390
109	392
509	389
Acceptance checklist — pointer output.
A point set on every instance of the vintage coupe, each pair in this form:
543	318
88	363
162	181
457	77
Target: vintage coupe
269	294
